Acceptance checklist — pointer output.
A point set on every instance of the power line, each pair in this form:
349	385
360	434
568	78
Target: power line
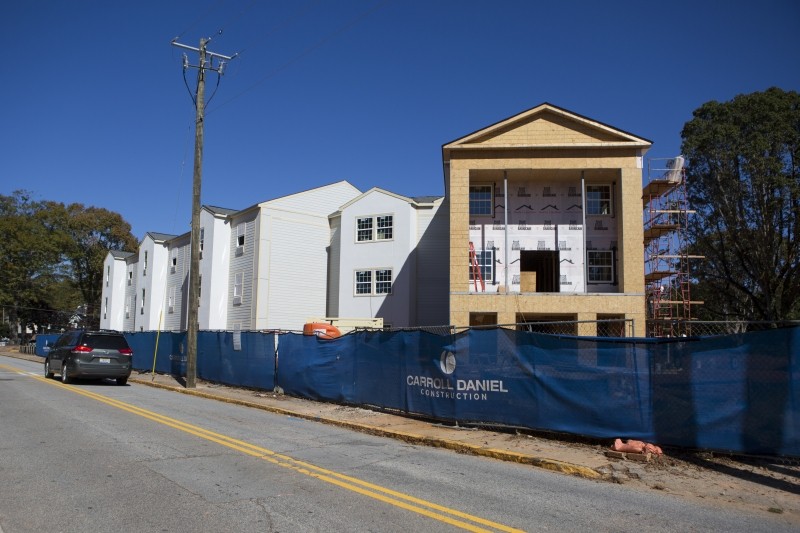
198	19
296	15
346	27
235	18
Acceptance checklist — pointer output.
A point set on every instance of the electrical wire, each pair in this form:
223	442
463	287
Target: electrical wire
284	23
342	29
230	21
183	167
198	19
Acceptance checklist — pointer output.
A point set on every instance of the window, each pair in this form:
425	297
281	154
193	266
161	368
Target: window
601	266
130	277
363	282
174	261
485	259
363	229
144	270
238	282
108	275
480	200
384	228
377	228
241	229
141	310
171	300
202	239
105	308
383	282
128	306
377	281
598	199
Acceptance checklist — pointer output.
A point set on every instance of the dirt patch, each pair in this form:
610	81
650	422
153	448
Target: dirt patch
759	485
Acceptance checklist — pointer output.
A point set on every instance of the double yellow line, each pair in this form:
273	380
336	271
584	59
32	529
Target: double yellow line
398	499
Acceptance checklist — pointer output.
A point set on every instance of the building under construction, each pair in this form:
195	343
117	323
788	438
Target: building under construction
667	258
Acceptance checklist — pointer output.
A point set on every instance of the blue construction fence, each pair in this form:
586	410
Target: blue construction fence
737	393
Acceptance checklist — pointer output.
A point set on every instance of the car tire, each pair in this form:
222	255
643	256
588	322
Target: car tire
122	381
65	379
48	373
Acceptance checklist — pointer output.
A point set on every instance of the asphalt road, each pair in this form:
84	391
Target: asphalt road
97	457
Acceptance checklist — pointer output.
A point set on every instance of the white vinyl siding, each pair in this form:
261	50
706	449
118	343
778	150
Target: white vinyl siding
129	318
242	264
334	258
432	266
297	268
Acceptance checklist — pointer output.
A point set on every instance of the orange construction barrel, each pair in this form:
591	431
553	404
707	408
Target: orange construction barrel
322	330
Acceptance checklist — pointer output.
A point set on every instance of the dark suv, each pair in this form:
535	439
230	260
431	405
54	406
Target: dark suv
90	354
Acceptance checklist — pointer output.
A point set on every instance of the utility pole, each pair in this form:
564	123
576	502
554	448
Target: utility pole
206	62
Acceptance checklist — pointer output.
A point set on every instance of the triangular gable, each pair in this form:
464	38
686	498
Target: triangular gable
319	200
376	190
547	126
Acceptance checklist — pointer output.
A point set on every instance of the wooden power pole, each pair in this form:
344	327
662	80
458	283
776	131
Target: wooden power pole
206	62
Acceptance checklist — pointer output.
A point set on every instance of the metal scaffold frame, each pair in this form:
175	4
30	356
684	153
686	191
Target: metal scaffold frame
666	221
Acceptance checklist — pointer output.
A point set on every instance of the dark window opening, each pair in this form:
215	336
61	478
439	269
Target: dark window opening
539	271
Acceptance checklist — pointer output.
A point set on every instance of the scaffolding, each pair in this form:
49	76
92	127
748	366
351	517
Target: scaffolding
667	273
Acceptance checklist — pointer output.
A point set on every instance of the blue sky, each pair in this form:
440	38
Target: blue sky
95	109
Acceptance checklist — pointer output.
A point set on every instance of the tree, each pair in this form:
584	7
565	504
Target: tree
743	179
51	259
30	257
91	232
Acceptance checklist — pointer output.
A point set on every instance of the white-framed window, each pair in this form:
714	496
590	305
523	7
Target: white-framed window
141	309
598	200
238	283
173	262
130	277
364	229
241	231
108	275
144	270
171	300
375	228
384	227
601	266
383	281
480	200
374	281
202	239
485	260
128	302
105	308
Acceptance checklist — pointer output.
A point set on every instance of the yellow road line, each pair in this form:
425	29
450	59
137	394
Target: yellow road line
377	492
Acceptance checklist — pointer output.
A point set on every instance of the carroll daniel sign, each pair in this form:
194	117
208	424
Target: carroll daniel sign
455	389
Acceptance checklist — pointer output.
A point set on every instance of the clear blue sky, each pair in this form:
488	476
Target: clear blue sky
95	109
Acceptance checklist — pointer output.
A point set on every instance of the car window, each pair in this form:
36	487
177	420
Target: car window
105	342
67	339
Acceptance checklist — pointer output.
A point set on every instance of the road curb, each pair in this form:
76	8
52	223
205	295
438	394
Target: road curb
412	438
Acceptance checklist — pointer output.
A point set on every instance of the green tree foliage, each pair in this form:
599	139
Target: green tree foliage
29	256
51	259
743	178
91	233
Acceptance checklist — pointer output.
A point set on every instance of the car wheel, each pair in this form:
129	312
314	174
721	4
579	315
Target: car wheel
48	373
64	376
122	381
